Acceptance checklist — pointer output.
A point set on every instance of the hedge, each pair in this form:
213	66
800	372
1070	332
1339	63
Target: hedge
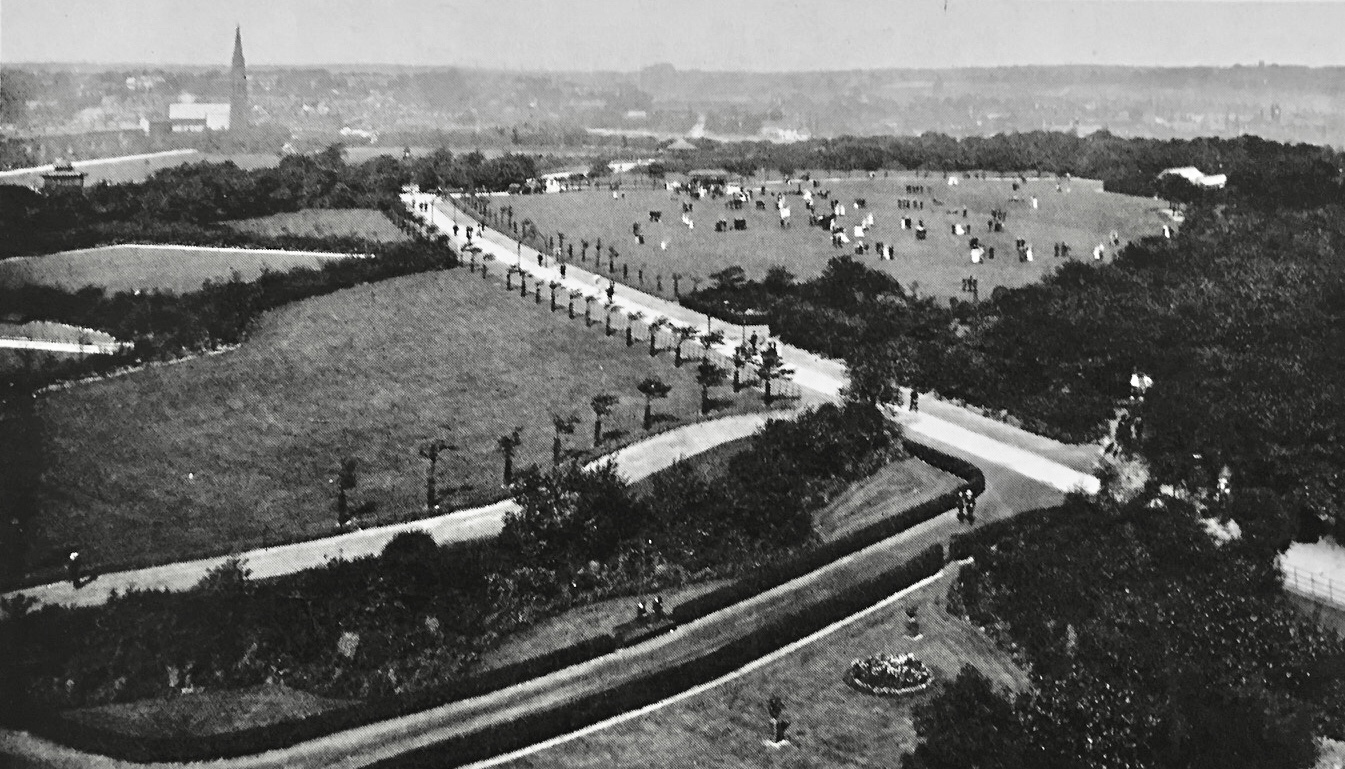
966	544
258	739
538	726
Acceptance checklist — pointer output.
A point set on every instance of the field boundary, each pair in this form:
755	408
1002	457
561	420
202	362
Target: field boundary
205	249
100	161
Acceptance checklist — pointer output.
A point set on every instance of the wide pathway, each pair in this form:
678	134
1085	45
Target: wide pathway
635	461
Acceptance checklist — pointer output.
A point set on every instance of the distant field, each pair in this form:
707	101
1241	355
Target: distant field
1082	217
238	450
364	223
131	268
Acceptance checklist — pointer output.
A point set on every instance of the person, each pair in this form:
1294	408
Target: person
611	291
915	400
74	566
753	339
640	611
658	607
961	507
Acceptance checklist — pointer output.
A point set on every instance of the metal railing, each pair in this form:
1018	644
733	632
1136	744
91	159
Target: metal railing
1315	587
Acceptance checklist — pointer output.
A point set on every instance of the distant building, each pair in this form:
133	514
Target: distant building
1194	176
238	86
191	116
63	177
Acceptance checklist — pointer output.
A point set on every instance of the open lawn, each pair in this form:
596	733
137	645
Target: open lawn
324	222
833	723
143	268
240	450
1081	215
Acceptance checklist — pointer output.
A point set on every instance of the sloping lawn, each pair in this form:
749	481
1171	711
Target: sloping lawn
234	451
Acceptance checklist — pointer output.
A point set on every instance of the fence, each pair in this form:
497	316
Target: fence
1314	587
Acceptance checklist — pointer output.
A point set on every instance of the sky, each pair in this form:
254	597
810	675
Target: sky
624	35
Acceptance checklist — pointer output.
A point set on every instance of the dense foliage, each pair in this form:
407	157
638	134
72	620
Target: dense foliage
1238	320
165	207
420	615
1148	644
1299	174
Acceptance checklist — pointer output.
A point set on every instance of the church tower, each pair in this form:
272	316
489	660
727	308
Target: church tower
238	80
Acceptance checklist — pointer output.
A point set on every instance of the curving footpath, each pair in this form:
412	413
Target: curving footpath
1022	471
636	461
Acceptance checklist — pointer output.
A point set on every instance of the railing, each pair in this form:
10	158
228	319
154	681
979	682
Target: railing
1315	587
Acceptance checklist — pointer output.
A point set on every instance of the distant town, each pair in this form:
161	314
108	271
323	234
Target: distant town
54	111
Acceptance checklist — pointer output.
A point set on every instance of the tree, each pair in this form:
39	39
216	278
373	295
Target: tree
602	405
772	367
564	425
708	375
430	450
346	479
967	723
507	444
631	319
778	280
729	278
877	373
683	333
654	326
651	388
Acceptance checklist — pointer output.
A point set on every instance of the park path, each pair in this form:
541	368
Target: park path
636	461
985	440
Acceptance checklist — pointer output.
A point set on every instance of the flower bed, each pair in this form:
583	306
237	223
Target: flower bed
890	675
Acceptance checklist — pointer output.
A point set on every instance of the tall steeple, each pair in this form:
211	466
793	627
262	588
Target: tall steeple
238	81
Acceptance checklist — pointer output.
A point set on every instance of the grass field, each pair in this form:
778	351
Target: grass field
1082	217
132	268
238	450
833	724
348	222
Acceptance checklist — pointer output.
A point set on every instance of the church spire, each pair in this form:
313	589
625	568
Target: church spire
238	82
238	47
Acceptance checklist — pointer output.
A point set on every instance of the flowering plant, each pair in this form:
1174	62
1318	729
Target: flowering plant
889	674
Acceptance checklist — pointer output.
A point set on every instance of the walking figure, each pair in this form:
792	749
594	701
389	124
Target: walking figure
658	607
640	611
915	400
74	566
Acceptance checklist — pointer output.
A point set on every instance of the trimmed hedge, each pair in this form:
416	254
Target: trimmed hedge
967	544
537	726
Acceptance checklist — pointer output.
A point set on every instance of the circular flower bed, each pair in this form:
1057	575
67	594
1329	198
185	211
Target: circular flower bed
890	675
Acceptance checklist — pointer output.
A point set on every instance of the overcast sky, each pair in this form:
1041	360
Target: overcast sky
690	34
